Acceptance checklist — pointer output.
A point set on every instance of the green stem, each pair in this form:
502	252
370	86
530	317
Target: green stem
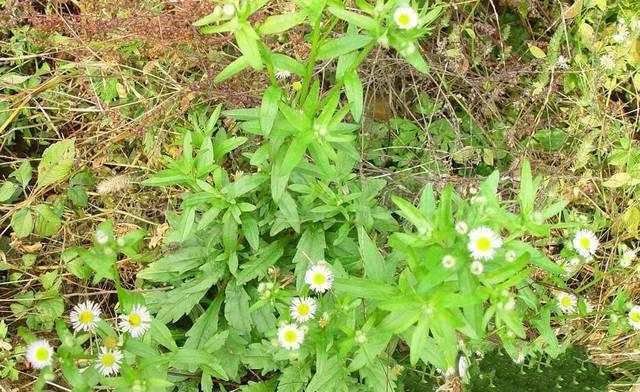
315	41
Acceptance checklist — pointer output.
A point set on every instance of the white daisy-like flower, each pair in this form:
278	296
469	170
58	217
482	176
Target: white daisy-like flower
137	322
566	302
510	256
448	261
585	243
607	62
405	17
290	336
84	316
462	228
562	62
634	317
319	277
39	354
476	267
101	237
628	256
483	243
303	309
108	361
282	74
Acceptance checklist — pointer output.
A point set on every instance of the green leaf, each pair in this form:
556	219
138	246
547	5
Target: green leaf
364	288
23	173
282	171
416	60
418	340
269	108
235	67
205	326
174	304
412	214
171	266
527	190
247	40
372	260
359	20
338	46
7	190
47	222
355	94
236	308
293	378
244	185
327	371
536	51
289	209
162	335
57	161
22	222
276	24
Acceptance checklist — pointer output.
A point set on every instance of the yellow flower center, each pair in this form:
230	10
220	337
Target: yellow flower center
403	19
319	279
585	242
303	309
635	317
108	359
42	354
483	244
297	85
135	320
565	301
290	336
85	317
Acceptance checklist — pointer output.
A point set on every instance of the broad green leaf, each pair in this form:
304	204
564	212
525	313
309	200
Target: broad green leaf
57	161
414	58
355	94
338	46
22	222
282	171
205	326
23	173
247	40
372	260
326	373
276	24
269	108
527	190
289	209
162	335
7	190
536	51
359	20
236	308
418	340
364	288
412	214
171	305
235	67
47	221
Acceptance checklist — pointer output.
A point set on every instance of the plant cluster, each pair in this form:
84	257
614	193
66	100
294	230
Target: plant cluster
284	268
